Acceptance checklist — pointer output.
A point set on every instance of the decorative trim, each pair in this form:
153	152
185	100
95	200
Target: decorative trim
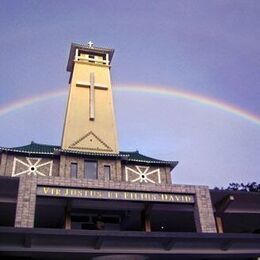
142	172
90	153
32	167
73	145
93	149
155	162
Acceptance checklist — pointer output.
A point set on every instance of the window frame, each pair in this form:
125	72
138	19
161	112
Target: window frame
86	174
109	177
74	164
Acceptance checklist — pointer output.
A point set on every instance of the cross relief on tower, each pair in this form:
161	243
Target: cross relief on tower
92	86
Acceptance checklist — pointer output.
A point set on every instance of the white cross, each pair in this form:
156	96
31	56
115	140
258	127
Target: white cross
92	86
90	44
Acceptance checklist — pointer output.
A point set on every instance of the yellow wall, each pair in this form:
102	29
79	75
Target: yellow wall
77	122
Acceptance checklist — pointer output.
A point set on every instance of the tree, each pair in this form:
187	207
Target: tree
249	187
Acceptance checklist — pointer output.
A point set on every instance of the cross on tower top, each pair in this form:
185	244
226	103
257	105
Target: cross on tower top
90	44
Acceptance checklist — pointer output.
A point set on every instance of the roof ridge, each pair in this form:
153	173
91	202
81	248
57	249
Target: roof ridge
34	143
129	152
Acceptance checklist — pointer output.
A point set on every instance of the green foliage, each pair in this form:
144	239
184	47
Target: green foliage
234	186
249	187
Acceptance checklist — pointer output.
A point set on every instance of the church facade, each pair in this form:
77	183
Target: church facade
88	200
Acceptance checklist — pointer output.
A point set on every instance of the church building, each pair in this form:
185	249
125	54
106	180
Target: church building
86	199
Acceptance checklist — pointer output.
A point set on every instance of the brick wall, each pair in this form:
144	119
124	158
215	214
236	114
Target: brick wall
26	200
204	215
3	164
203	212
61	166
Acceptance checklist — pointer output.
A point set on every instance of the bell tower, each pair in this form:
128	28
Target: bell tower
90	121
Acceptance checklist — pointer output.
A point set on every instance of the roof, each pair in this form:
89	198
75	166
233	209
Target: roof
91	50
243	201
138	157
153	245
33	148
36	148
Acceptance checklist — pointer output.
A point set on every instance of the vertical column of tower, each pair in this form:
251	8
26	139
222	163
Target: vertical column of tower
90	122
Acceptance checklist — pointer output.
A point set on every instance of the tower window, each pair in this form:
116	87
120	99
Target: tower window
107	172
90	171
73	170
92	57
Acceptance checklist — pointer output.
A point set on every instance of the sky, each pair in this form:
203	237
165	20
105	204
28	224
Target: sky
209	49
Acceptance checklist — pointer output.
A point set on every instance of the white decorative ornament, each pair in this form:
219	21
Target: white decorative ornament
33	166
142	172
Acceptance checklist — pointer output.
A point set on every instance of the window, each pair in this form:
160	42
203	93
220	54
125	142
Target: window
91	58
107	172
104	59
73	170
90	171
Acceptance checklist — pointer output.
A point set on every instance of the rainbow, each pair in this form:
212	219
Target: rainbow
158	90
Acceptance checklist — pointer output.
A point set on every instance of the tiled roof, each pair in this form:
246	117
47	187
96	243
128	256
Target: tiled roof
138	157
35	148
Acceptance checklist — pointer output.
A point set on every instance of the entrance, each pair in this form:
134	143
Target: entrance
91	214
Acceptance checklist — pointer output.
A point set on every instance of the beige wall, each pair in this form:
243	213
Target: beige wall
77	122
